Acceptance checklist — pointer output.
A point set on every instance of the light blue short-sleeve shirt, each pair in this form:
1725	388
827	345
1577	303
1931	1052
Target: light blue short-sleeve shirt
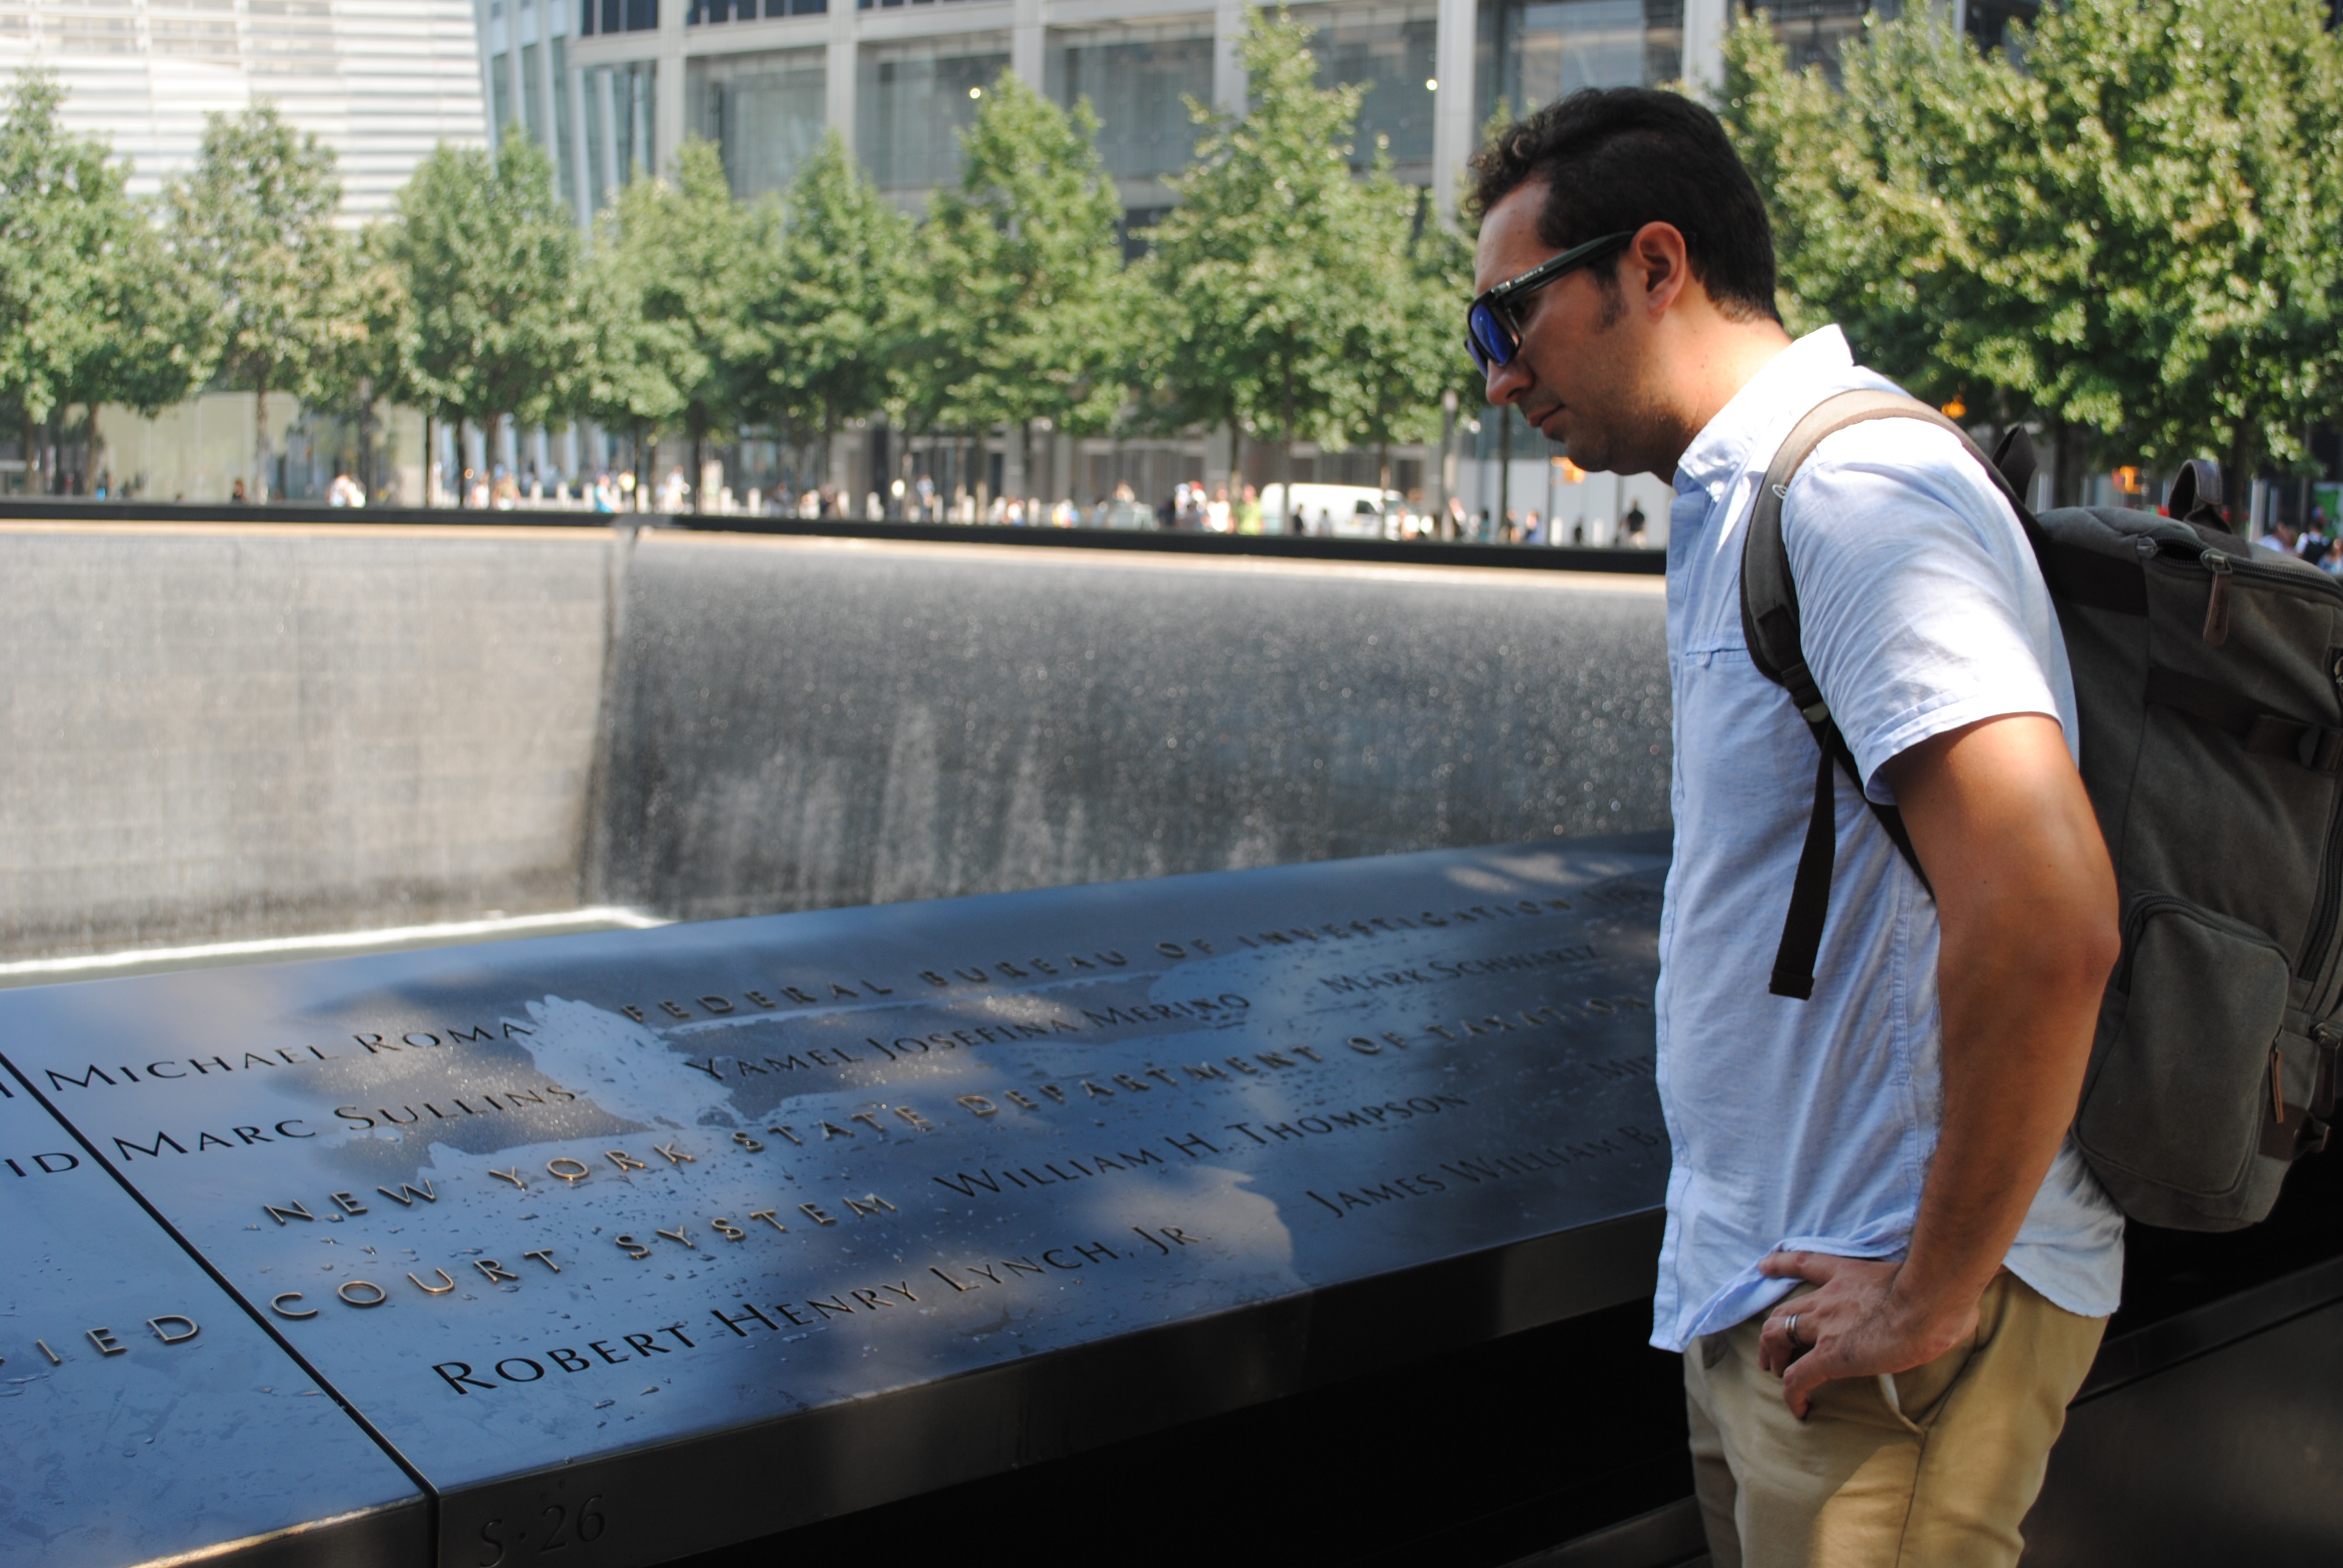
1811	1124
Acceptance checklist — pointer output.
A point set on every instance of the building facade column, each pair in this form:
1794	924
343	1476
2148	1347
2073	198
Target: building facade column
487	69
548	135
515	98
1453	130
1705	24
613	176
1026	37
1228	65
839	68
581	164
669	142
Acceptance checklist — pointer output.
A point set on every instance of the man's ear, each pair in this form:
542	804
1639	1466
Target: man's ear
1659	265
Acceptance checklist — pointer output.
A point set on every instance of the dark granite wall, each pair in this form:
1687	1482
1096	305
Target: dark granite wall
796	724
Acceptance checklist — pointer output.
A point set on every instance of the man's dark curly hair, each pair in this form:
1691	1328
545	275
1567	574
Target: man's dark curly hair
1617	158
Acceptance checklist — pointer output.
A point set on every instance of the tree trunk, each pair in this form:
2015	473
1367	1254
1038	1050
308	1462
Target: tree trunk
1286	453
699	470
431	452
1025	465
1505	475
2238	484
365	437
260	436
2067	467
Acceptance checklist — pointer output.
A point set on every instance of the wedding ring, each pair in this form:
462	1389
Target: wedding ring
1791	1328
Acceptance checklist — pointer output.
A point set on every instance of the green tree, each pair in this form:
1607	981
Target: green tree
1277	261
364	360
90	308
1412	346
823	284
680	247
2133	240
485	256
1027	315
633	367
256	216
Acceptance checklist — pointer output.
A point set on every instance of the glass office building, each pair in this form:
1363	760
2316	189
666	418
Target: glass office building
381	81
612	86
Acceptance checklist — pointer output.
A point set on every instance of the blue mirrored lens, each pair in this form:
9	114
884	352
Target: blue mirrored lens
1492	342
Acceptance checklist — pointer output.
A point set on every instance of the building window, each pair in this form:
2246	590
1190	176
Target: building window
1138	80
1392	51
621	106
1812	31
914	99
1988	21
532	96
500	104
618	16
1531	52
765	111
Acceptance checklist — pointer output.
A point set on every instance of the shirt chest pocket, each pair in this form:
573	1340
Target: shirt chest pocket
1733	719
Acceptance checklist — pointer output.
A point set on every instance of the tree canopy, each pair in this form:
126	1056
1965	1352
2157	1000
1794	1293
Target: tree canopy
1287	296
1279	268
486	257
829	277
2125	224
1023	264
92	308
256	216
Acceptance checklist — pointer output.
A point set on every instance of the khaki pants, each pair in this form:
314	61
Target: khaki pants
1931	1468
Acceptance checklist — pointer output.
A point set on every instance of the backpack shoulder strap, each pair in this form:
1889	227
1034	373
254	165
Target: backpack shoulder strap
1769	624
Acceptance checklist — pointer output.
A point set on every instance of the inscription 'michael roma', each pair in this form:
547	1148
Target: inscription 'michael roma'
173	1069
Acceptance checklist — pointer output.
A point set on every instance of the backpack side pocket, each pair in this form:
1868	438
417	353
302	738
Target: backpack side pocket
2174	1111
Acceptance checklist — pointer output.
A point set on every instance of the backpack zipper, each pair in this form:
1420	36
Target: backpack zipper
2217	603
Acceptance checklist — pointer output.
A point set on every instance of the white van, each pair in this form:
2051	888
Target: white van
1337	511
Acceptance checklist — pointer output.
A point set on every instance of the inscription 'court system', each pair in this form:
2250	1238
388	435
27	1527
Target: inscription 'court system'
798	1214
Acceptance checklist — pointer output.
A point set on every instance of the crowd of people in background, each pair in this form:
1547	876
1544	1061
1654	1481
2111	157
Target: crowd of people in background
1192	507
2320	544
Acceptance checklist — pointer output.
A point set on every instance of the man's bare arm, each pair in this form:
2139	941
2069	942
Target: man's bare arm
2026	902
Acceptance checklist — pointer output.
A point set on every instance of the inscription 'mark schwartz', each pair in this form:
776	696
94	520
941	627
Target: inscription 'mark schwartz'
538	1210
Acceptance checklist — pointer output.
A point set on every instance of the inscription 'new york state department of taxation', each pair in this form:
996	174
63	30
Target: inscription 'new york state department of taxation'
522	1203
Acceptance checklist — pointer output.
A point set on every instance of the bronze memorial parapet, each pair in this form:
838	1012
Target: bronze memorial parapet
627	1245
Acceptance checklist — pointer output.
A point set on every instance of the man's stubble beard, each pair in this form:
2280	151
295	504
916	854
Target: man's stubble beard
1626	421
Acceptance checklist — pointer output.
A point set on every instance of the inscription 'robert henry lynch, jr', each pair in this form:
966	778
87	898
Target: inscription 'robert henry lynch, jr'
583	1224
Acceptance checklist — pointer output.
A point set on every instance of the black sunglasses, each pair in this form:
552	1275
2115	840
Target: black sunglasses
1490	330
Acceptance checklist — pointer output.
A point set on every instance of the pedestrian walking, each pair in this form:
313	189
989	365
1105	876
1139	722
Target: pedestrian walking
1886	1264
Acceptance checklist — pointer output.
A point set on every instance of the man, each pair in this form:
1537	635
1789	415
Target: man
1886	1266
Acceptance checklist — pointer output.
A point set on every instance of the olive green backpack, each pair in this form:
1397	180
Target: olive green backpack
2208	680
